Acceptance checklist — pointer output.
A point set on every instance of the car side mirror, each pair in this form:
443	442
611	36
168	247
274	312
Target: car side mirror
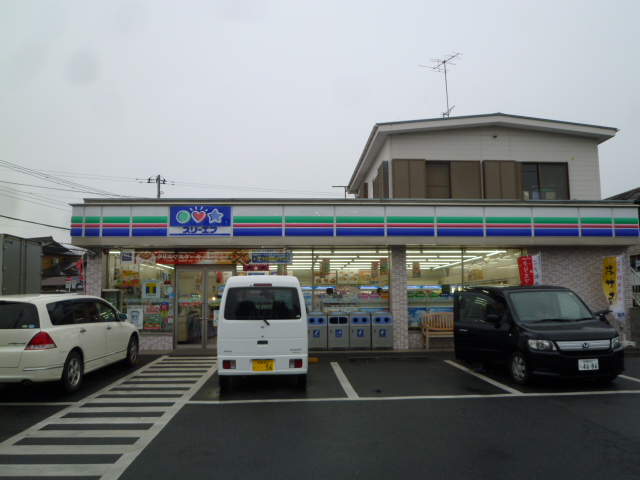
123	316
493	318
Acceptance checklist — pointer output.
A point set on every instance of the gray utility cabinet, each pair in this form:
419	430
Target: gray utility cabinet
20	265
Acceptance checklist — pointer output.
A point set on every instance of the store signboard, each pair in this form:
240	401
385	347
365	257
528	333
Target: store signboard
198	257
200	220
271	256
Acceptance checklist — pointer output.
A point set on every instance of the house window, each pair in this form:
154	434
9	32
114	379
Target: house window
545	181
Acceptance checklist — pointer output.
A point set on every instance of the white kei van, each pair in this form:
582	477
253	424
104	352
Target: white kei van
262	329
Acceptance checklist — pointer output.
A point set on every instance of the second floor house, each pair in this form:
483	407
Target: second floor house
493	157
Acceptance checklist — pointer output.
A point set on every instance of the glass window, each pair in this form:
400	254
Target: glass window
86	312
61	313
148	291
106	313
540	306
545	181
262	303
18	315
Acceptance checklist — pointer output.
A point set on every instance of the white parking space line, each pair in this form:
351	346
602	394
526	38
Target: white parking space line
351	393
102	408
629	378
486	379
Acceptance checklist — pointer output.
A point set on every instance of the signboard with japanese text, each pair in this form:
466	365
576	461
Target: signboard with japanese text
201	220
271	256
613	285
530	270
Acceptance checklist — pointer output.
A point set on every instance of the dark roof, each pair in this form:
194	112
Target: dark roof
628	195
512	288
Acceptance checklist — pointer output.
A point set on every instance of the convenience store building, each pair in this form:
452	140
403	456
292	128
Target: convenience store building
439	204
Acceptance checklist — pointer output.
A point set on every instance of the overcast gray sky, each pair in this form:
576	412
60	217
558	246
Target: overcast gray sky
247	98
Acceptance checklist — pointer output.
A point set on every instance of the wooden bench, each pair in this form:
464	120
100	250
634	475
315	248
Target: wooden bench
436	325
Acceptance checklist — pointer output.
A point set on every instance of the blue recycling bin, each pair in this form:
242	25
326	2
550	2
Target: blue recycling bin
382	331
317	330
360	331
338	337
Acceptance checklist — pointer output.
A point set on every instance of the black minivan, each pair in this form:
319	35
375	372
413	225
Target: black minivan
538	330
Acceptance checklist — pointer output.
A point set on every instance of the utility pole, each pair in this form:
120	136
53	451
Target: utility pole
158	180
442	67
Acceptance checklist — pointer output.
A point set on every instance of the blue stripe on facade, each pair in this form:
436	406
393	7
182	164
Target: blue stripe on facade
410	232
308	232
359	231
597	232
460	232
257	232
91	232
509	232
627	232
115	232
76	232
149	232
557	232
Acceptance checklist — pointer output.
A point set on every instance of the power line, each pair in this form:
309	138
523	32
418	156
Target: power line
35	223
55	180
31	201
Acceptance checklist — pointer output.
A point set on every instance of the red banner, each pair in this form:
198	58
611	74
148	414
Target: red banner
525	265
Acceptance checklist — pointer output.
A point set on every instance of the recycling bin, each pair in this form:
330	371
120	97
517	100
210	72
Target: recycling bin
317	330
338	337
360	331
382	332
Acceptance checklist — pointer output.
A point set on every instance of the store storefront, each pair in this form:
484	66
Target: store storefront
165	262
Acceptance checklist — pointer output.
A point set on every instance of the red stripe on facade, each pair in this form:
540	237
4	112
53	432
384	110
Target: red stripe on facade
255	225
363	225
310	225
460	225
508	225
148	225
116	225
555	225
414	225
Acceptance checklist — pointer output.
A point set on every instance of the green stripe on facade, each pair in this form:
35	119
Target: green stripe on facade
556	220
147	219
460	219
508	219
92	219
343	219
254	219
595	220
76	219
308	219
625	221
405	219
116	220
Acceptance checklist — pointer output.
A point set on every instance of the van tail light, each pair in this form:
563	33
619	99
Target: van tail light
295	363
228	364
42	341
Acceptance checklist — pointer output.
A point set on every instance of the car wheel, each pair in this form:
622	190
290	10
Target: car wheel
301	381
519	369
225	383
132	352
72	372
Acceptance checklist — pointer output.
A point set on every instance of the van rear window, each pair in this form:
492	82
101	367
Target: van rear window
18	315
262	303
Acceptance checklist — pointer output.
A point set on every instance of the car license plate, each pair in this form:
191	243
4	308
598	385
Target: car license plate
262	365
588	364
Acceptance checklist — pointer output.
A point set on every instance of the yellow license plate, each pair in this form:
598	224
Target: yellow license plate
262	365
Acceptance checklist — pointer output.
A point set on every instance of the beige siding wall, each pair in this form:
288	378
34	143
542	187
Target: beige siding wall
580	153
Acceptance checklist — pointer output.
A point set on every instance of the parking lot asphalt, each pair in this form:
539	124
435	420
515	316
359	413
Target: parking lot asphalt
167	419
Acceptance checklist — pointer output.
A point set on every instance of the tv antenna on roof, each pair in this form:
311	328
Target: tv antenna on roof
442	67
